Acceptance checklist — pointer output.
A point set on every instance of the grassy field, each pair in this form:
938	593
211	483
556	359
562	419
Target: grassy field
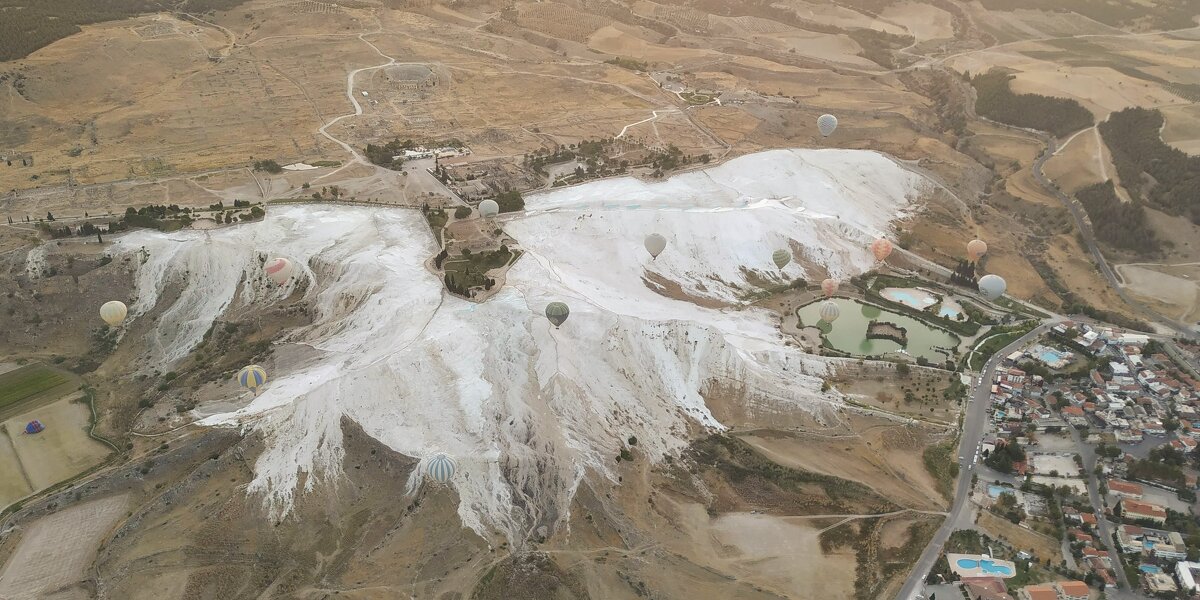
993	343
27	382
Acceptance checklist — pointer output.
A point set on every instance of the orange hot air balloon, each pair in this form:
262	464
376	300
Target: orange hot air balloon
829	286
976	249
881	248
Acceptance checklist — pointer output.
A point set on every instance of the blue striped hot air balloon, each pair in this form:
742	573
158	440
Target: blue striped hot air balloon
34	426
441	468
252	377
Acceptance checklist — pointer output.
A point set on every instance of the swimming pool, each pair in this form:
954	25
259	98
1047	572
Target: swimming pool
1149	569
996	490
985	565
1050	356
914	297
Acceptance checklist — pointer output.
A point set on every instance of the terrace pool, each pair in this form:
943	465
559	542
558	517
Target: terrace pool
985	565
915	297
1150	569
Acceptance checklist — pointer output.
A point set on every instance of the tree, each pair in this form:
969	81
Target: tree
903	370
510	201
49	216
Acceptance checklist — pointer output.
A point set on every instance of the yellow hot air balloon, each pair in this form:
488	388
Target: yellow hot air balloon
252	377
976	249
113	312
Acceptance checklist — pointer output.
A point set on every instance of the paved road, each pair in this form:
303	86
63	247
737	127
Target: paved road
1089	238
1088	452
974	425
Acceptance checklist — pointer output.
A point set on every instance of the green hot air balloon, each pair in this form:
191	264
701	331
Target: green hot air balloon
557	313
781	258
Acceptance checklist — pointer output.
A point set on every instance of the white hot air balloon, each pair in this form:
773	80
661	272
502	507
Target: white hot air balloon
279	270
826	124
829	311
441	468
113	312
992	286
655	244
489	209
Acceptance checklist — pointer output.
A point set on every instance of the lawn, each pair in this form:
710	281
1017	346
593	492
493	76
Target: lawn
27	382
993	344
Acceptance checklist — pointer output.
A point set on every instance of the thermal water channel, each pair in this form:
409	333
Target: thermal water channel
849	332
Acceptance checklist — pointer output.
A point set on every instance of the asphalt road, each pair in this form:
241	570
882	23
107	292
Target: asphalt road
974	425
1088	452
1089	238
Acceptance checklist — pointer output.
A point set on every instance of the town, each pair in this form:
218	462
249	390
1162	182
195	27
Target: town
1086	475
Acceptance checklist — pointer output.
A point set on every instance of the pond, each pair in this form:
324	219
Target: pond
849	333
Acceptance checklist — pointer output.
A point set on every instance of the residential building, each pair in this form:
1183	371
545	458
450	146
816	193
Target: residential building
985	588
1133	509
1072	590
1126	489
1187	573
1038	592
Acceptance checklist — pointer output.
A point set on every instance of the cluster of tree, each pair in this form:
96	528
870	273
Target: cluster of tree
510	201
673	158
1166	14
996	101
1164	465
267	165
1140	155
1004	457
389	155
963	274
31	24
877	46
628	63
1120	224
461	288
592	151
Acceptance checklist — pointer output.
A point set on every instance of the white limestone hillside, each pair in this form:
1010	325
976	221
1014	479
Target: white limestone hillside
527	410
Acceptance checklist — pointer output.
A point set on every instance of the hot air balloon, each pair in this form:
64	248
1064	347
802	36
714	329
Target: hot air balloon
826	124
655	244
992	286
881	248
829	287
113	312
781	258
252	377
441	468
279	270
489	209
976	249
34	426
557	313
829	311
